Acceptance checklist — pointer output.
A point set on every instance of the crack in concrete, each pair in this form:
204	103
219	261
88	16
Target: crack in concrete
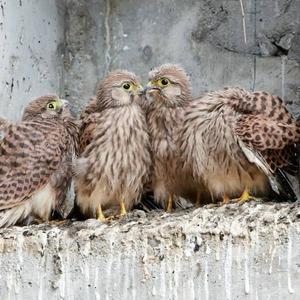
107	37
254	56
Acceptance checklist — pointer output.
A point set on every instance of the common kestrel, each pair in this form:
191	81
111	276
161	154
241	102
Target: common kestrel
36	161
114	144
168	94
240	143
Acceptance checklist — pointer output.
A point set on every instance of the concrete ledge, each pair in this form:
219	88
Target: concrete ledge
230	252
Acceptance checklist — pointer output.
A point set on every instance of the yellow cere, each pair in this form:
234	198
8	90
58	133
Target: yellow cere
162	82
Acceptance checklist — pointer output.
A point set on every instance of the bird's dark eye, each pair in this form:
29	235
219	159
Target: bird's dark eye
164	81
126	86
52	105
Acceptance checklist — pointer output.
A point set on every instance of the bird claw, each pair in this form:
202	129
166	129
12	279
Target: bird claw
225	200
245	197
169	208
57	222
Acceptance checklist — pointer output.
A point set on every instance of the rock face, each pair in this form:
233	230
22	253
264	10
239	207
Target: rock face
230	252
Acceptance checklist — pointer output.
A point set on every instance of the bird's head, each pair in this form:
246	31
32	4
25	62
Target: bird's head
47	107
119	88
168	85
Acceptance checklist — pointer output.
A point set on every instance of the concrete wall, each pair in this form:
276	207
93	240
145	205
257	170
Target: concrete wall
231	252
65	47
206	37
31	57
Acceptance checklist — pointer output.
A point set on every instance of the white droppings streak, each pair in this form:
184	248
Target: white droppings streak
62	286
228	267
147	274
206	289
133	275
20	242
68	279
289	262
107	37
283	62
176	277
41	288
256	295
97	295
118	282
87	278
109	269
247	279
192	289
273	251
163	274
217	249
126	278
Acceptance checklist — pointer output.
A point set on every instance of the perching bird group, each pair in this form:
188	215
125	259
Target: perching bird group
228	145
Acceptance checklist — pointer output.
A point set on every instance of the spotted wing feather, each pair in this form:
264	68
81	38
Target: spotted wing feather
268	130
29	154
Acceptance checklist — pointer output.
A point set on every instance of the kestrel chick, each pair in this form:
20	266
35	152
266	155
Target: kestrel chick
168	93
241	143
35	161
115	150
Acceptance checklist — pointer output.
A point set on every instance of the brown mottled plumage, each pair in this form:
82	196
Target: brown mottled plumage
237	141
35	161
4	124
168	93
115	151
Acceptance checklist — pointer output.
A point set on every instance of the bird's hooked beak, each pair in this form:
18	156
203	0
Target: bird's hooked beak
140	90
64	103
151	89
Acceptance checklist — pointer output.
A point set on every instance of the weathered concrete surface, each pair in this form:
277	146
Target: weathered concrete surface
65	47
31	45
230	252
206	37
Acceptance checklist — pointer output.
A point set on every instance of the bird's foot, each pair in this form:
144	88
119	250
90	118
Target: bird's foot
225	200
35	221
123	211
245	197
57	222
169	208
100	215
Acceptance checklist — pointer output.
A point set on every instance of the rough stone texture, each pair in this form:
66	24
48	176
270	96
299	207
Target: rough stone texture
231	252
206	37
65	47
31	44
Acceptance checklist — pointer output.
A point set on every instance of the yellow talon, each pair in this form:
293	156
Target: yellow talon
123	211
245	197
57	222
170	204
100	215
225	199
